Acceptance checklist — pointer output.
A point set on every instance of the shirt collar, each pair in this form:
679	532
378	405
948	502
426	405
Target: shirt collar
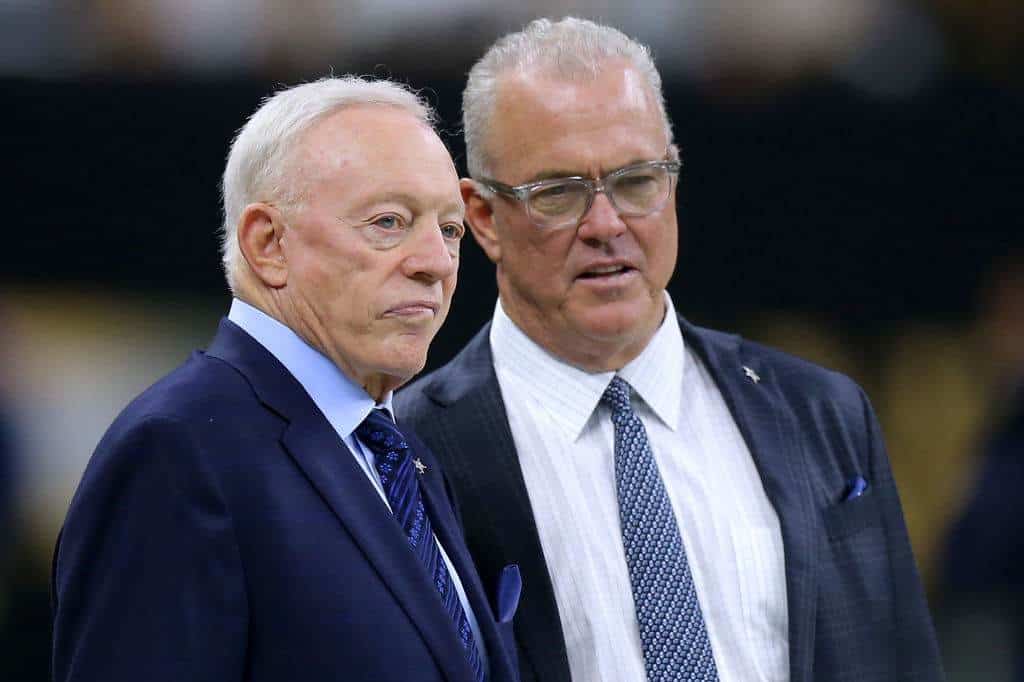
570	395
657	373
343	402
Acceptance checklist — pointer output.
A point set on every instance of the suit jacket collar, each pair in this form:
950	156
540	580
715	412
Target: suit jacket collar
342	401
768	427
317	449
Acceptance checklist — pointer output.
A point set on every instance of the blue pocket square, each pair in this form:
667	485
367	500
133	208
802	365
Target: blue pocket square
510	585
855	488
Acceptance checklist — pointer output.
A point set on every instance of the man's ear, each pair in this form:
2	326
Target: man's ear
260	230
480	218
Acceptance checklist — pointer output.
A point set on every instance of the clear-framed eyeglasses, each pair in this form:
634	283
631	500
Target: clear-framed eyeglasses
634	191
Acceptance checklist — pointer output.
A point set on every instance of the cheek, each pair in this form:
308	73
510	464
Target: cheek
447	289
324	265
347	299
545	260
660	249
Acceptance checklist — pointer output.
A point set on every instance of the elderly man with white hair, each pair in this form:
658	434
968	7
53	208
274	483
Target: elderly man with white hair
257	514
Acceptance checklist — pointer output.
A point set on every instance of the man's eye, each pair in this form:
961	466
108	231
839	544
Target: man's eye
553	191
388	222
453	230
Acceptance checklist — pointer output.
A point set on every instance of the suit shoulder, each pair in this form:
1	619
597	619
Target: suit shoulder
194	388
796	375
808	376
830	410
789	370
815	393
412	400
804	384
192	403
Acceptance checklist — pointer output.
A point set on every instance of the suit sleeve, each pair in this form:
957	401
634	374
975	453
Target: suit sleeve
914	635
147	576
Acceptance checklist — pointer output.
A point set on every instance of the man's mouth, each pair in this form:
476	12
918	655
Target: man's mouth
605	271
413	309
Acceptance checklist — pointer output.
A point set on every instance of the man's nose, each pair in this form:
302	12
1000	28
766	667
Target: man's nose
601	223
431	256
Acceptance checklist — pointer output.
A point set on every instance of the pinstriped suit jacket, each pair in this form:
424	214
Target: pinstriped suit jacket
857	611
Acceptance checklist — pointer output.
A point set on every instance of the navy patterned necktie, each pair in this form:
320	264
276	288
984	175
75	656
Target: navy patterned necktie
672	630
396	466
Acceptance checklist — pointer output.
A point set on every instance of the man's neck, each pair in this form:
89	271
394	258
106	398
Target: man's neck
589	353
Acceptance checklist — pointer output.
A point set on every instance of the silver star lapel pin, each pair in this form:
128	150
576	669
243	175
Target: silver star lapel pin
421	468
751	374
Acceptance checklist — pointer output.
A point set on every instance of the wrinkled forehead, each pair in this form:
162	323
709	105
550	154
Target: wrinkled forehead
363	132
370	143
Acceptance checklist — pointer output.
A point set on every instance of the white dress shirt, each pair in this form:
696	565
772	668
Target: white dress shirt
565	441
342	402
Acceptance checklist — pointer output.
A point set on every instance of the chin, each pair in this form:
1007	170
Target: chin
614	321
406	362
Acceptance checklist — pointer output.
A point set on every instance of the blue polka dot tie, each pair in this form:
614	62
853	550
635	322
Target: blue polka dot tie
672	630
394	463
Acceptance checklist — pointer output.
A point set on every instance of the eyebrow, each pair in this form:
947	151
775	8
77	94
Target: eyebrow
411	200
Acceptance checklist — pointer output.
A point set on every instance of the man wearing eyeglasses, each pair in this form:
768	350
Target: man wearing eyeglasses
683	504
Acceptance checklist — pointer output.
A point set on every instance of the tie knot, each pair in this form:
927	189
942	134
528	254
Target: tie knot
380	434
616	396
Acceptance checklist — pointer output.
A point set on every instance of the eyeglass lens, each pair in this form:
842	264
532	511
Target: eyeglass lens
636	192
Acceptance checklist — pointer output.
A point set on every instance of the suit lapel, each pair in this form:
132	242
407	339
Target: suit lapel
768	428
332	470
446	529
476	430
334	473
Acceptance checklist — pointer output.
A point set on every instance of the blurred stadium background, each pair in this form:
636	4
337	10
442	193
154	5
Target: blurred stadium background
850	192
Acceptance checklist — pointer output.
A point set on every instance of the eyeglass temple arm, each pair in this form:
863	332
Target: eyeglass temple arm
499	187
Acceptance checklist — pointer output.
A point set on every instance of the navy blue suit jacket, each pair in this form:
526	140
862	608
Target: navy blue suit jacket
223	532
856	608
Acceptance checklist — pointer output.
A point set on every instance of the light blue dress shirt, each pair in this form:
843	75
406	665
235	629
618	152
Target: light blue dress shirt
343	402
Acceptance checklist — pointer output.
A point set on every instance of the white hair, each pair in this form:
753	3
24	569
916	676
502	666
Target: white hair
257	166
572	48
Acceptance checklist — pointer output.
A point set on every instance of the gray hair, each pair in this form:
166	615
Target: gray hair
574	49
257	166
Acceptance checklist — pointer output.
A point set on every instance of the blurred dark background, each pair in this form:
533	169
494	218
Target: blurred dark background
850	191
